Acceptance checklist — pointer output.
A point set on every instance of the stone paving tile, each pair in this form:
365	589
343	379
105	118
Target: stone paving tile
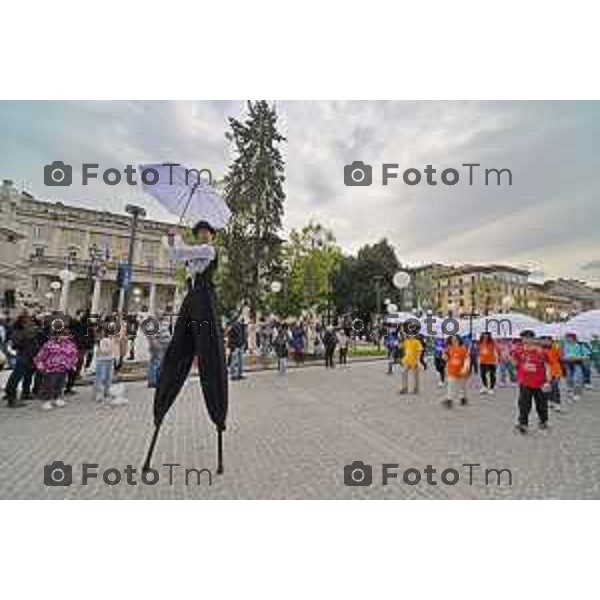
290	437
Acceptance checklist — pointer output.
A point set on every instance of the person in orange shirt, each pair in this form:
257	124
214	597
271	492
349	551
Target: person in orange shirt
488	362
555	358
458	365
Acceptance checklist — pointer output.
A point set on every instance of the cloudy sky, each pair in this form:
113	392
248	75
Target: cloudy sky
549	218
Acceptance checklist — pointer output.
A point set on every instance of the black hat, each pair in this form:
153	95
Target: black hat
203	225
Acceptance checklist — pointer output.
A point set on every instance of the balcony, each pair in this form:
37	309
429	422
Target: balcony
82	267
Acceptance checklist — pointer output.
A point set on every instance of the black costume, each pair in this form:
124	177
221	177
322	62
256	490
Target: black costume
197	333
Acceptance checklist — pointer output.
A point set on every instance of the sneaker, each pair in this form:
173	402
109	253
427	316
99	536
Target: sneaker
447	403
483	390
576	398
521	428
588	386
46	405
60	403
543	424
70	392
463	401
490	392
403	392
557	407
118	401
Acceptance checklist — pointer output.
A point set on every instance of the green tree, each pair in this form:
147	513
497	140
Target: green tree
254	193
360	278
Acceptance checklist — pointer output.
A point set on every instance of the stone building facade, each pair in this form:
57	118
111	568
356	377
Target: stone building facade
40	240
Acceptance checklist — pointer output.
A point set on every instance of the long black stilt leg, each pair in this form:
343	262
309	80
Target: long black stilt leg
219	452
146	466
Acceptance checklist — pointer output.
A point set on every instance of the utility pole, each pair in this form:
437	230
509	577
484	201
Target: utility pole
136	212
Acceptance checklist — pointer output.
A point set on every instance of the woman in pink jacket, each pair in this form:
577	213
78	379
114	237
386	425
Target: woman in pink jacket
56	358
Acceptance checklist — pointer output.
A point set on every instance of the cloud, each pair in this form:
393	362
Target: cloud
549	215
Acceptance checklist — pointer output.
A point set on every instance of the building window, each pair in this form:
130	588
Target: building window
38	252
72	254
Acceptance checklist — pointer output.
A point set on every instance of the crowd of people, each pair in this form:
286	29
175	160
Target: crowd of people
283	341
46	363
546	371
48	353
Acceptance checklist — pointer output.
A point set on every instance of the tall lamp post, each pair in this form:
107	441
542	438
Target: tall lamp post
136	212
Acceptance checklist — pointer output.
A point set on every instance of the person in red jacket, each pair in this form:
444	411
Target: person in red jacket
533	377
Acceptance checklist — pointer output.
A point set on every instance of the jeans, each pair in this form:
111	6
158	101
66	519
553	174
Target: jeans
22	373
506	367
282	364
586	369
574	372
104	375
236	366
554	391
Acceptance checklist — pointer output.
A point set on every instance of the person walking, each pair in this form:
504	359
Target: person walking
573	359
595	356
392	342
157	347
439	359
235	344
55	360
411	353
282	345
458	370
555	361
506	367
343	344
329	344
488	362
23	340
533	377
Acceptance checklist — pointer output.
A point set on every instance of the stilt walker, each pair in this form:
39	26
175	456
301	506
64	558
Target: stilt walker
198	330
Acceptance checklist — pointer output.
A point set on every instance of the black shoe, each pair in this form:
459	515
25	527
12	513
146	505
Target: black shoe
26	397
16	404
70	392
522	429
447	403
463	401
543	424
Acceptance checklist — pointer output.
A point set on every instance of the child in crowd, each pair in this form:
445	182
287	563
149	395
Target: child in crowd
439	359
458	367
282	345
411	354
157	347
555	360
533	376
488	361
55	359
107	352
506	366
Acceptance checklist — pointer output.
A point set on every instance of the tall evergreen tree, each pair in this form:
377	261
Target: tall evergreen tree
254	193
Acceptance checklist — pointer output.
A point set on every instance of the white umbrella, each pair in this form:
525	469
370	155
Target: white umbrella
183	193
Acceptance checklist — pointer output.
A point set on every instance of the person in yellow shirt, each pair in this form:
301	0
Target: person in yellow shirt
411	353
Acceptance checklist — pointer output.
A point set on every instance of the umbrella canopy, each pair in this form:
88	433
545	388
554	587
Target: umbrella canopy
585	325
181	191
506	325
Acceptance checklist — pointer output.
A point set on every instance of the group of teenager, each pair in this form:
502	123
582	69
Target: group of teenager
534	365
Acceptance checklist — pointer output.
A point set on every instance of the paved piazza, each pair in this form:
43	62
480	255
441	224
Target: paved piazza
291	437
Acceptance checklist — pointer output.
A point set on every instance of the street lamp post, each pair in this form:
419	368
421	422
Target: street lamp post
136	212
